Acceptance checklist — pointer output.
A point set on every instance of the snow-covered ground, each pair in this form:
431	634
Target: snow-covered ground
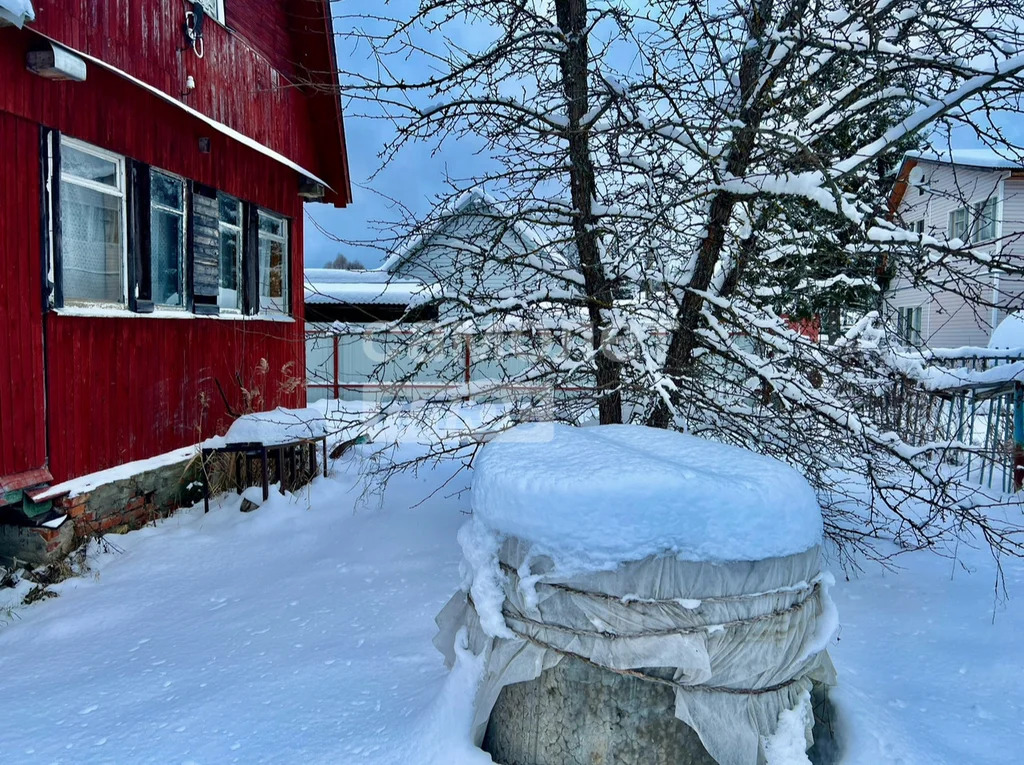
302	633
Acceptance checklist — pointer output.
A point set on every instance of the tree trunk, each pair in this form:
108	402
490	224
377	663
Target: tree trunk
753	87
572	21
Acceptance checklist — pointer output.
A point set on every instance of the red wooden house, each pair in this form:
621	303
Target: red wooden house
155	159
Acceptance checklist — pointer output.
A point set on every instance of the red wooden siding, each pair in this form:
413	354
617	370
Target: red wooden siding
110	112
239	83
127	388
22	428
265	25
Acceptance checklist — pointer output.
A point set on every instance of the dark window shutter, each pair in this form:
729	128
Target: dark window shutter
251	259
204	249
51	155
286	298
140	279
49	215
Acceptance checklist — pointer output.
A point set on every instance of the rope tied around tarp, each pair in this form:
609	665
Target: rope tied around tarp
626	600
521	617
516	616
659	680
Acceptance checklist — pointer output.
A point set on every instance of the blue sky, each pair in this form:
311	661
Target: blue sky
417	175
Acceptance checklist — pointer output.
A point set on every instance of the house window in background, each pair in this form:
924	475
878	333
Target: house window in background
273	263
92	224
959	224
229	295
167	239
908	326
985	214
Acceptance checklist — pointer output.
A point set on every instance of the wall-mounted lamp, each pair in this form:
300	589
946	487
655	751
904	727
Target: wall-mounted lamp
55	63
311	190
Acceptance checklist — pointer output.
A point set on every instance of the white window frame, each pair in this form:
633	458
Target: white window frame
120	192
967	214
909	325
185	296
239	232
917	226
978	210
217	14
286	265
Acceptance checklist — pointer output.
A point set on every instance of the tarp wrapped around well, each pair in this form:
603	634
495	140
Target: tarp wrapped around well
743	640
736	642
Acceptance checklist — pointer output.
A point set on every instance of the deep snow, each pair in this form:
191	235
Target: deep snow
302	633
594	497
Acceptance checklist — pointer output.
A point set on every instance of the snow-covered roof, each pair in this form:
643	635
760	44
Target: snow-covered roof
16	12
376	287
390	293
345	276
986	158
530	235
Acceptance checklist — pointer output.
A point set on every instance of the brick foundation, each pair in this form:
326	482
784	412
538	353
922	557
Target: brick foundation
131	502
34	545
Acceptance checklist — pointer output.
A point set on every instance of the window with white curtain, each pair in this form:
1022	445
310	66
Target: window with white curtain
92	224
273	263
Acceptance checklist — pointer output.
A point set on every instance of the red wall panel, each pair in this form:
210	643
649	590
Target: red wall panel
122	389
265	25
126	389
22	425
235	82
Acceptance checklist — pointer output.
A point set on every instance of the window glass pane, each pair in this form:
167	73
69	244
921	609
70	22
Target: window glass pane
229	294
92	253
270	225
230	289
166	190
273	273
229	210
212	8
986	223
87	166
167	245
958	220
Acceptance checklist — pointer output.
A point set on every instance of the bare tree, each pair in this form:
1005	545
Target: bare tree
686	168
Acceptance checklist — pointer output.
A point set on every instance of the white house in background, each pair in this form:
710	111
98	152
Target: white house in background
977	197
473	249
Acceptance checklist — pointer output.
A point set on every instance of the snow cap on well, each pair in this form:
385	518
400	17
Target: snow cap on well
594	497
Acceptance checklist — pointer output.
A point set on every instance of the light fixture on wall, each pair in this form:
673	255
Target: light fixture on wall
312	190
55	63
